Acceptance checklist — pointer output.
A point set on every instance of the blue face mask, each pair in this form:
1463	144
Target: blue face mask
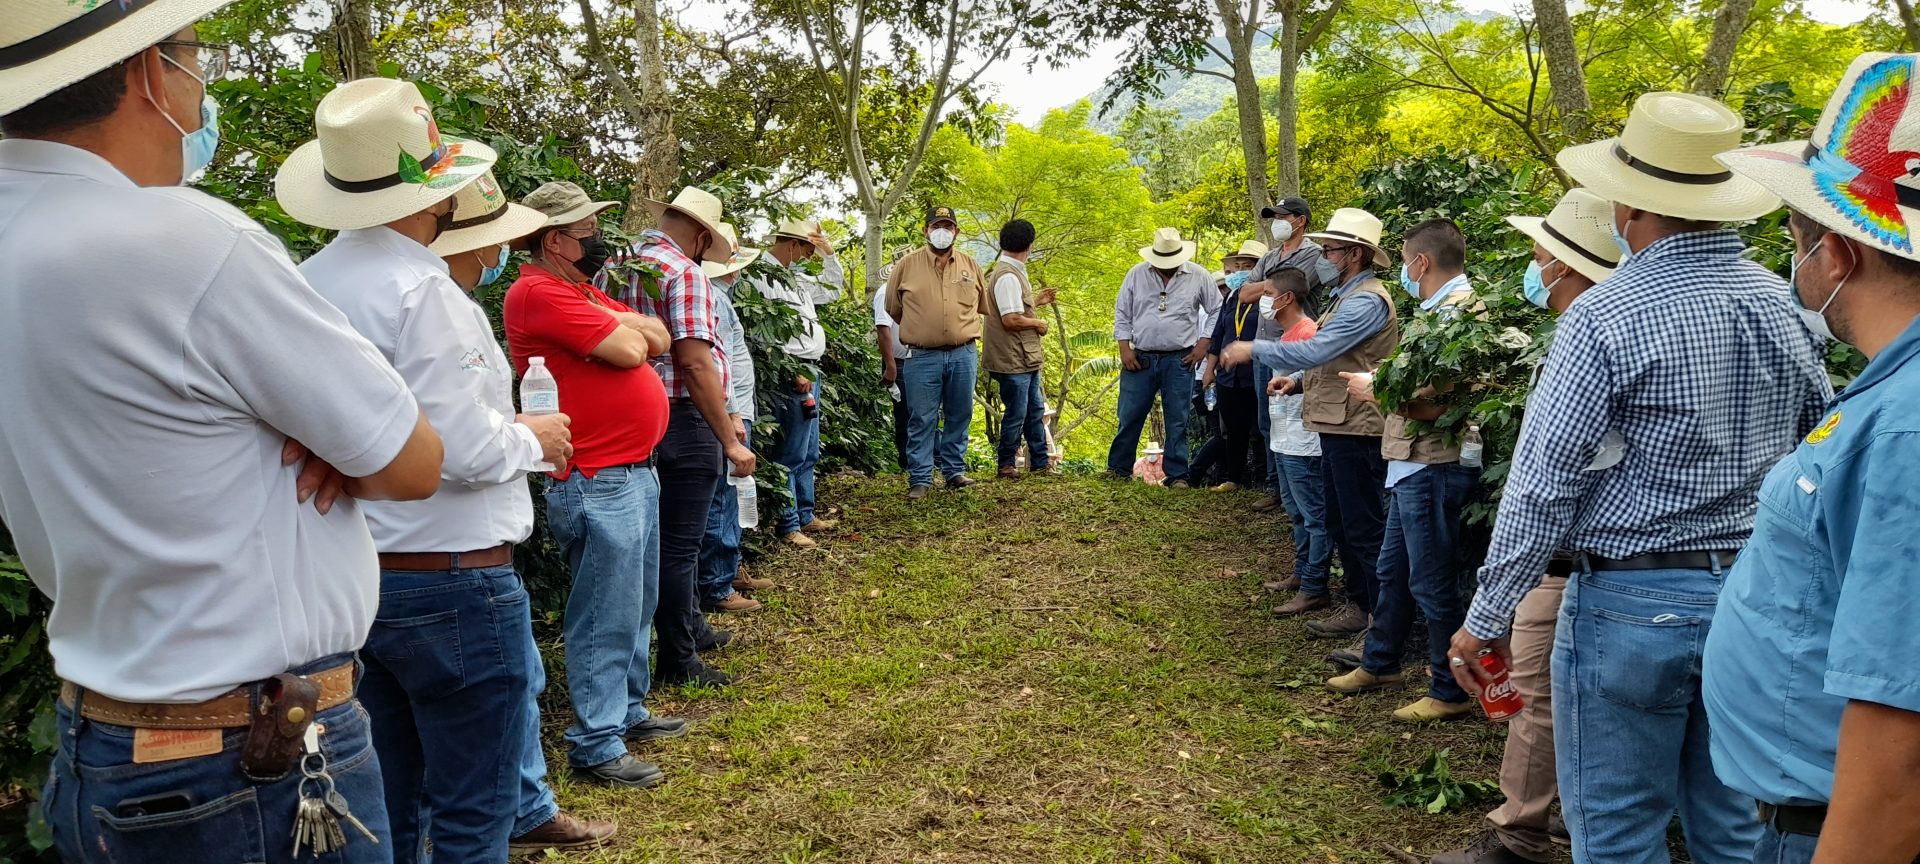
1620	239
1235	280
196	147
1535	285
489	275
1407	282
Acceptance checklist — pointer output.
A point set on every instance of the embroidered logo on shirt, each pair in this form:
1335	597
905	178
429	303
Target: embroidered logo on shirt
1824	430
473	360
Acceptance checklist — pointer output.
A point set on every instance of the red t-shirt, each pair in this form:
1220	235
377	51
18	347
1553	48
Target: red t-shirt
618	414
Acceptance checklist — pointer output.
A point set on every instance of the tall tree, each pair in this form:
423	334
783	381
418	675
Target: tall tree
1910	22
1294	45
648	107
1566	74
1729	22
353	34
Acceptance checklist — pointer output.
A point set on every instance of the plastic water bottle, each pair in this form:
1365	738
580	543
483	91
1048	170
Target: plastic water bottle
1213	399
1472	451
1276	422
748	497
539	394
894	391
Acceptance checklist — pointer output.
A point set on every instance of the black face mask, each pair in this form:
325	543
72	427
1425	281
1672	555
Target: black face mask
442	223
593	255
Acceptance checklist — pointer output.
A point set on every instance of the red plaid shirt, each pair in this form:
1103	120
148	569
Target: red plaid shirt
685	304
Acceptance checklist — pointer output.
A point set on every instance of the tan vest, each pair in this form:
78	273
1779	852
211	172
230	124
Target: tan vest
1431	447
1328	408
1009	351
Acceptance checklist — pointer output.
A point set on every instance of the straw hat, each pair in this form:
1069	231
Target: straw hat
565	203
1251	249
798	229
46	45
741	256
1154	448
1354	225
482	217
1579	233
1856	175
701	206
1663	162
1168	250
379	156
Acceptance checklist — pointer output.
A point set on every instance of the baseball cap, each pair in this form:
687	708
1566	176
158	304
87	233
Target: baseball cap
941	214
1287	207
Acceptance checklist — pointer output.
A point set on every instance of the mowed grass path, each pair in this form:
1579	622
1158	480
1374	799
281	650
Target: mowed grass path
1054	670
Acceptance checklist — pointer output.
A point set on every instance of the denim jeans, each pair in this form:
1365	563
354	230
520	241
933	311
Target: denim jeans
938	390
1629	726
608	528
1356	482
1304	493
225	818
1025	417
799	451
1419	571
447	664
901	420
690	465
1777	848
720	549
1161	374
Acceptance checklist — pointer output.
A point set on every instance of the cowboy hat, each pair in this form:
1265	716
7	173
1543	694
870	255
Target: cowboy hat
741	256
1853	177
565	203
1167	249
1579	233
1154	448
798	229
701	206
46	45
1663	162
378	156
1354	225
1251	249
482	217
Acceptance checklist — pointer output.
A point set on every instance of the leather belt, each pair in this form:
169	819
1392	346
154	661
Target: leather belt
1186	350
1561	567
1662	561
1804	821
425	562
230	710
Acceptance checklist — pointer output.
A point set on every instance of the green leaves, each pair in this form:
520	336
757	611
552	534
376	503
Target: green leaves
1432	788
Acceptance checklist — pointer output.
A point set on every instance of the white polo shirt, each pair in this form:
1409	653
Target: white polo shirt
159	349
397	294
806	296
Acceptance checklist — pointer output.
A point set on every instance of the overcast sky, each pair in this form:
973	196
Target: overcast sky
1032	94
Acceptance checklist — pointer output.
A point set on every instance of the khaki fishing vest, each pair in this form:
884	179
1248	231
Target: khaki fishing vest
1431	447
1010	351
1328	408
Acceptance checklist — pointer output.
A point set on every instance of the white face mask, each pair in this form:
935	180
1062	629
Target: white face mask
1282	230
941	238
1815	319
1266	307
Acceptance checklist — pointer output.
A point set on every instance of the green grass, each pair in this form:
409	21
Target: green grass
1055	670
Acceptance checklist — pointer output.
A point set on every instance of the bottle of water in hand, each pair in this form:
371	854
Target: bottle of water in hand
748	497
539	394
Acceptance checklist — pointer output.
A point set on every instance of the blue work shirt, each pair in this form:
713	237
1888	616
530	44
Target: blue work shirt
1820	607
1350	325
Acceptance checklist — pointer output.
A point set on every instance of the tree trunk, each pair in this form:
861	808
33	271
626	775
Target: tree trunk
876	250
1715	65
1564	70
353	29
658	168
1911	22
1288	144
1246	94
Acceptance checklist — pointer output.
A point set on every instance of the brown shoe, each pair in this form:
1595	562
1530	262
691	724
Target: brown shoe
743	582
1282	586
1340	625
819	525
1301	604
737	602
1267	503
563	832
1009	472
800	540
1486	848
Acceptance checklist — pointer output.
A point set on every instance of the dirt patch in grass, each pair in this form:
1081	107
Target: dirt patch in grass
1054	670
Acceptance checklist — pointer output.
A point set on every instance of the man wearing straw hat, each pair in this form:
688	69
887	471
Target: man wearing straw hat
700	444
1814	702
150	477
796	241
1694	358
1356	333
603	504
1237	397
1160	319
1573	249
720	578
936	296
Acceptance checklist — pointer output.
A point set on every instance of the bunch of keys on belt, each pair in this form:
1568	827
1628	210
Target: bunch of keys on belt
317	823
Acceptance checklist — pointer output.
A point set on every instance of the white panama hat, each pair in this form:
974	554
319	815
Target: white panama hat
1856	176
741	256
701	206
379	156
798	229
1354	225
482	217
1663	162
1251	249
1154	448
1167	249
46	45
1579	233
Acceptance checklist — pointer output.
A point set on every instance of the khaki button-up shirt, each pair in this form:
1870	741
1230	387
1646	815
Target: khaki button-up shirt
936	306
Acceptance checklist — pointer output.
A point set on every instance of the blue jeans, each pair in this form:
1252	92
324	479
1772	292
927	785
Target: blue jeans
608	527
226	818
448	664
1025	417
1630	731
937	387
1304	493
1164	375
1777	848
720	551
1420	571
799	451
1356	482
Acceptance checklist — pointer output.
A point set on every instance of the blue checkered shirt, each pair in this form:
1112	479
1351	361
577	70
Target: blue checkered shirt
1696	356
